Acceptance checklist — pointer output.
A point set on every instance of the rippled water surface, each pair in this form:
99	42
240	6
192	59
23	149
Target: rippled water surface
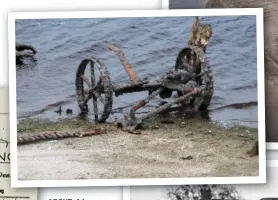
151	46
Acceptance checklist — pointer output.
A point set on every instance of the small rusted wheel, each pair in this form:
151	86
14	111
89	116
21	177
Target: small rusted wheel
100	91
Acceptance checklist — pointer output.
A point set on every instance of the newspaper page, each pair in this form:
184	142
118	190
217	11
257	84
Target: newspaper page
6	192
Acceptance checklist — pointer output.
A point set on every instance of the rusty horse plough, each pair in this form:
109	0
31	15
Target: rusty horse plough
191	78
102	90
179	80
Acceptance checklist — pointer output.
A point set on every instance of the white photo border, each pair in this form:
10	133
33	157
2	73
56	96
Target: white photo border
272	145
258	12
126	193
272	163
165	4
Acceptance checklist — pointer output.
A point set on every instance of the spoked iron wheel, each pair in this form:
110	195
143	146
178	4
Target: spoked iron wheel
100	91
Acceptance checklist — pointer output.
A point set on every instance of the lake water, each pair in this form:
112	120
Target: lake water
150	45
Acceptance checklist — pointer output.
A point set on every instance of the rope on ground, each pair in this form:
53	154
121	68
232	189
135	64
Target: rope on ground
55	135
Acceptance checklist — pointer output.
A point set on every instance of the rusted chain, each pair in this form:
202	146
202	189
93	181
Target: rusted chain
55	135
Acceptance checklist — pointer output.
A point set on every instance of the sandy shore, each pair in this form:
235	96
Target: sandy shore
195	148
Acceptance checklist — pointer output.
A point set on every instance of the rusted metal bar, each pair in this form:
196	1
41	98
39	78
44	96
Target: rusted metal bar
130	88
120	89
174	80
146	100
131	73
131	123
168	105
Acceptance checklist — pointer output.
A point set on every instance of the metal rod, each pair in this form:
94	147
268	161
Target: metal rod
168	105
146	100
131	73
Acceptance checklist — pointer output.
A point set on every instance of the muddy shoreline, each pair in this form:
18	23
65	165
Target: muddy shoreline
191	148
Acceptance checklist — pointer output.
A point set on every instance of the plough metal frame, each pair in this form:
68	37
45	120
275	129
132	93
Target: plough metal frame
105	87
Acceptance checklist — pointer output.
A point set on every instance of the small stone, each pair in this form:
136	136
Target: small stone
188	133
155	127
186	158
69	111
167	121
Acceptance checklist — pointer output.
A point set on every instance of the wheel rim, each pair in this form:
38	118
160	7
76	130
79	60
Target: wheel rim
99	90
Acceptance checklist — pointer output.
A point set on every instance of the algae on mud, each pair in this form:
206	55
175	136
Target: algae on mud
186	148
33	125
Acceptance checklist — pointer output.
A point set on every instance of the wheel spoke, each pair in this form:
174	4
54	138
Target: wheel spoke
86	80
88	98
98	95
93	79
95	107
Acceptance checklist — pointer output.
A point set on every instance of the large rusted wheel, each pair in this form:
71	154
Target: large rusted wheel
99	89
209	90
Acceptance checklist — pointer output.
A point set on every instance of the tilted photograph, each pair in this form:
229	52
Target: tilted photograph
136	95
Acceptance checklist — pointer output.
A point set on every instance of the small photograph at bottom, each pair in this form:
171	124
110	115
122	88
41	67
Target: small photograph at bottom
266	191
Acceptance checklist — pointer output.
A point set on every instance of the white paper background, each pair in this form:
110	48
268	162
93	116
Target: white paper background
62	5
87	193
